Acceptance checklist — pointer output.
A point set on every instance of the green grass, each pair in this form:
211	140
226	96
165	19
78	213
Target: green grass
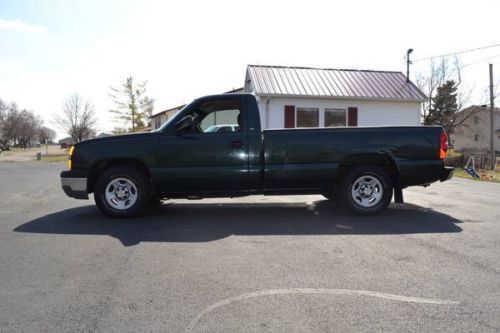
54	158
452	153
486	175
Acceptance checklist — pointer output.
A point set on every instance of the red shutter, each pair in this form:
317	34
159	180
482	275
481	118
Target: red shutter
289	116
352	116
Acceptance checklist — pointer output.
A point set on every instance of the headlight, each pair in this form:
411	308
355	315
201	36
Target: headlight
70	154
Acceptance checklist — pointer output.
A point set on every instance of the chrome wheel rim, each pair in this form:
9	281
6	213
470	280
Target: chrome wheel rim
367	191
121	193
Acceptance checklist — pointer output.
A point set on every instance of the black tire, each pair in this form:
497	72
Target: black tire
362	202
139	186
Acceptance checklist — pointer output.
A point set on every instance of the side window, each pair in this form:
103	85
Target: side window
335	117
307	117
218	116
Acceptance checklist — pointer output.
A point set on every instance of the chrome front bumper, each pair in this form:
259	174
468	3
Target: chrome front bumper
74	187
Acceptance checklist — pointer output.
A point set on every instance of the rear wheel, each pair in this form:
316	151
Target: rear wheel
367	190
122	191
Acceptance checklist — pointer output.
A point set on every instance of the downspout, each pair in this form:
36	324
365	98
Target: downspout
267	112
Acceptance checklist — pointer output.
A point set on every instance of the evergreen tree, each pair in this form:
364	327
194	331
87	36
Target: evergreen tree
444	106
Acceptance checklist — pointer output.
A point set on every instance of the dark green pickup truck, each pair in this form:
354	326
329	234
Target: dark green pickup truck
194	156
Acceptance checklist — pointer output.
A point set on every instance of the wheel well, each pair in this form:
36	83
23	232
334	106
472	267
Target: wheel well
103	165
381	160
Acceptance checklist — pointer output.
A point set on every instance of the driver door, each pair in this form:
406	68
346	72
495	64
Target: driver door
206	160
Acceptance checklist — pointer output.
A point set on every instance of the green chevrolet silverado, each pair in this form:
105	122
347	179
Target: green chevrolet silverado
214	147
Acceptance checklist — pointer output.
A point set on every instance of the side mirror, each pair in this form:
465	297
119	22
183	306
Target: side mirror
184	125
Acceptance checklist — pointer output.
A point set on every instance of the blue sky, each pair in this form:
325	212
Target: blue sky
50	49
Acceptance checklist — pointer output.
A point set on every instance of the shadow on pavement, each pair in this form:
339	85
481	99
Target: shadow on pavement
203	222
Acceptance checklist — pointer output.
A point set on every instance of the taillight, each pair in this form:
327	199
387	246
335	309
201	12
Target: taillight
443	147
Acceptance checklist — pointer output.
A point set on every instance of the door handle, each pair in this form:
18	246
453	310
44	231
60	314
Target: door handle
237	144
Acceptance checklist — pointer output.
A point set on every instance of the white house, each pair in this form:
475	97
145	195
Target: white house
319	97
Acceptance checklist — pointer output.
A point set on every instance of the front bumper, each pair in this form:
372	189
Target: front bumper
446	174
74	184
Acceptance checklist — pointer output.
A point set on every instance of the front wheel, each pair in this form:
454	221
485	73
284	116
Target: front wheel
122	191
367	190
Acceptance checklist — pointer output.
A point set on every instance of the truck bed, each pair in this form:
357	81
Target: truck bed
313	157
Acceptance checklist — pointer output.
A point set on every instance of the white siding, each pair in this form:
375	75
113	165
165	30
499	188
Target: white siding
370	113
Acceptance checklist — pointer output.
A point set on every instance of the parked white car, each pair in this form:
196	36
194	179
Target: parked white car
222	128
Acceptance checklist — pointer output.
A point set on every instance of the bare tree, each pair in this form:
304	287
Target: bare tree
3	114
10	123
18	126
78	118
46	135
28	127
132	106
440	73
3	110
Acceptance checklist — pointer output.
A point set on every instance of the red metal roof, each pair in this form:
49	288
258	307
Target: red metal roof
334	83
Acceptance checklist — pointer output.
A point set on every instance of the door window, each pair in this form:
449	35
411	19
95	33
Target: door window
221	116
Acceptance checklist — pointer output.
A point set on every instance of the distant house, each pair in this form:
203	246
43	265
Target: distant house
103	135
66	142
474	133
320	97
161	117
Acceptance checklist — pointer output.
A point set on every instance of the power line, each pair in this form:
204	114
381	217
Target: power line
478	61
458	52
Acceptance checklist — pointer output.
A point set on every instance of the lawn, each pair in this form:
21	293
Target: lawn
54	158
488	175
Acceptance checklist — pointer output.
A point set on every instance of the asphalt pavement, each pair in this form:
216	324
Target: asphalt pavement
253	264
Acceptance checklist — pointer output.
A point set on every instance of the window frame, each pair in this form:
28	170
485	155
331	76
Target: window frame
318	109
193	106
321	115
338	109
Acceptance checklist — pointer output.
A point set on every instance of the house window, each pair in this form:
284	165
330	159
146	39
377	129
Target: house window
476	137
335	117
476	120
307	117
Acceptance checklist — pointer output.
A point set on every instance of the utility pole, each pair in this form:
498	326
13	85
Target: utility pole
408	63
492	121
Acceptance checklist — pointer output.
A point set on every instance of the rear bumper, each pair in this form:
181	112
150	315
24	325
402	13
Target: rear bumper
446	174
74	184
